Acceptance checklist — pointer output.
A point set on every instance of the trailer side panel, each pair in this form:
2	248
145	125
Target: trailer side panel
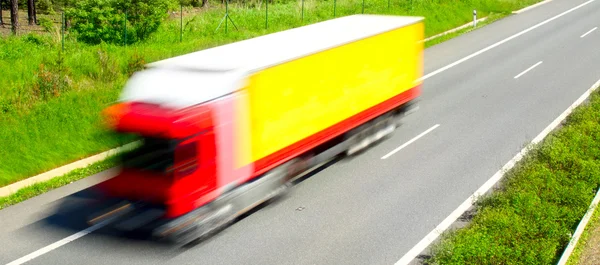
302	103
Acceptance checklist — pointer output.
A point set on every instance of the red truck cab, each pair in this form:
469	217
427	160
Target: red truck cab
176	165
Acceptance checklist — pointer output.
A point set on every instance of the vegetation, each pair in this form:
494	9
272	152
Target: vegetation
42	187
491	18
51	99
529	220
117	21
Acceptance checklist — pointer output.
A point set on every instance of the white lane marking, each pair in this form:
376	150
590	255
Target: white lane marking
502	41
592	30
410	141
438	230
582	224
528	69
59	243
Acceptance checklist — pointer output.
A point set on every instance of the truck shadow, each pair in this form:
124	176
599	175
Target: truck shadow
70	214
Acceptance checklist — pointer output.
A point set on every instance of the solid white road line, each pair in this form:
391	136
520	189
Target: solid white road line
58	244
592	30
502	41
438	230
528	69
410	141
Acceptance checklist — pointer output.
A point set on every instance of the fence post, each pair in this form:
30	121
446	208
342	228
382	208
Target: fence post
266	14
334	4
226	17
125	29
302	10
181	23
363	6
62	31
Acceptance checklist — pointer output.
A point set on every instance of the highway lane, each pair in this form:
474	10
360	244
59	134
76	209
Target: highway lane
367	210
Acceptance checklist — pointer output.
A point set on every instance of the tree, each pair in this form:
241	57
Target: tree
14	15
30	11
34	12
1	21
44	7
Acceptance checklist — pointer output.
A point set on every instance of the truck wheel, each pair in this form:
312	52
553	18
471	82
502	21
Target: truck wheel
205	229
370	133
287	172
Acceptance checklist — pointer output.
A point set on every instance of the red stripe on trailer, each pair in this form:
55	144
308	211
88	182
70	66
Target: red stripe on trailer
271	161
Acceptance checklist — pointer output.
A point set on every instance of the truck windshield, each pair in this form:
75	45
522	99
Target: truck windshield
154	154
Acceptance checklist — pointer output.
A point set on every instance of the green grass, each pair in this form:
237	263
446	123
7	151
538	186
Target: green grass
540	203
491	18
49	118
42	187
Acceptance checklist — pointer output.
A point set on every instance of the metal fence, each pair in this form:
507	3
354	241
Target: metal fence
226	19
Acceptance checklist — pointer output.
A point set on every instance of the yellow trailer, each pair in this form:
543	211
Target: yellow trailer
379	59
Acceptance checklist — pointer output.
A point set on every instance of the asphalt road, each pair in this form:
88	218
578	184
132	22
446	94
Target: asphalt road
369	210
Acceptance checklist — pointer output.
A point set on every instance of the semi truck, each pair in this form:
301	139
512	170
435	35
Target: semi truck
225	129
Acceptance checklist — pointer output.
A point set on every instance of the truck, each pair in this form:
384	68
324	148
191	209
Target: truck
225	129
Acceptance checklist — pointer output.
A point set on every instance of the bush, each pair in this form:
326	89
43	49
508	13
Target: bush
47	24
49	84
135	63
144	16
109	68
6	106
44	7
98	21
36	39
52	79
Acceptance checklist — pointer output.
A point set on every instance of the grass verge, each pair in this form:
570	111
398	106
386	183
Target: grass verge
50	100
530	218
491	18
42	187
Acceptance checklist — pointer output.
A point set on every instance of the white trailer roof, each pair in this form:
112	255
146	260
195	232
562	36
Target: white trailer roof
212	73
174	88
272	49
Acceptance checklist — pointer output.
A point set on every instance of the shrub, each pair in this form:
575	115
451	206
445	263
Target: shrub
47	24
145	16
44	7
34	39
99	21
48	83
135	63
6	106
109	68
52	79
